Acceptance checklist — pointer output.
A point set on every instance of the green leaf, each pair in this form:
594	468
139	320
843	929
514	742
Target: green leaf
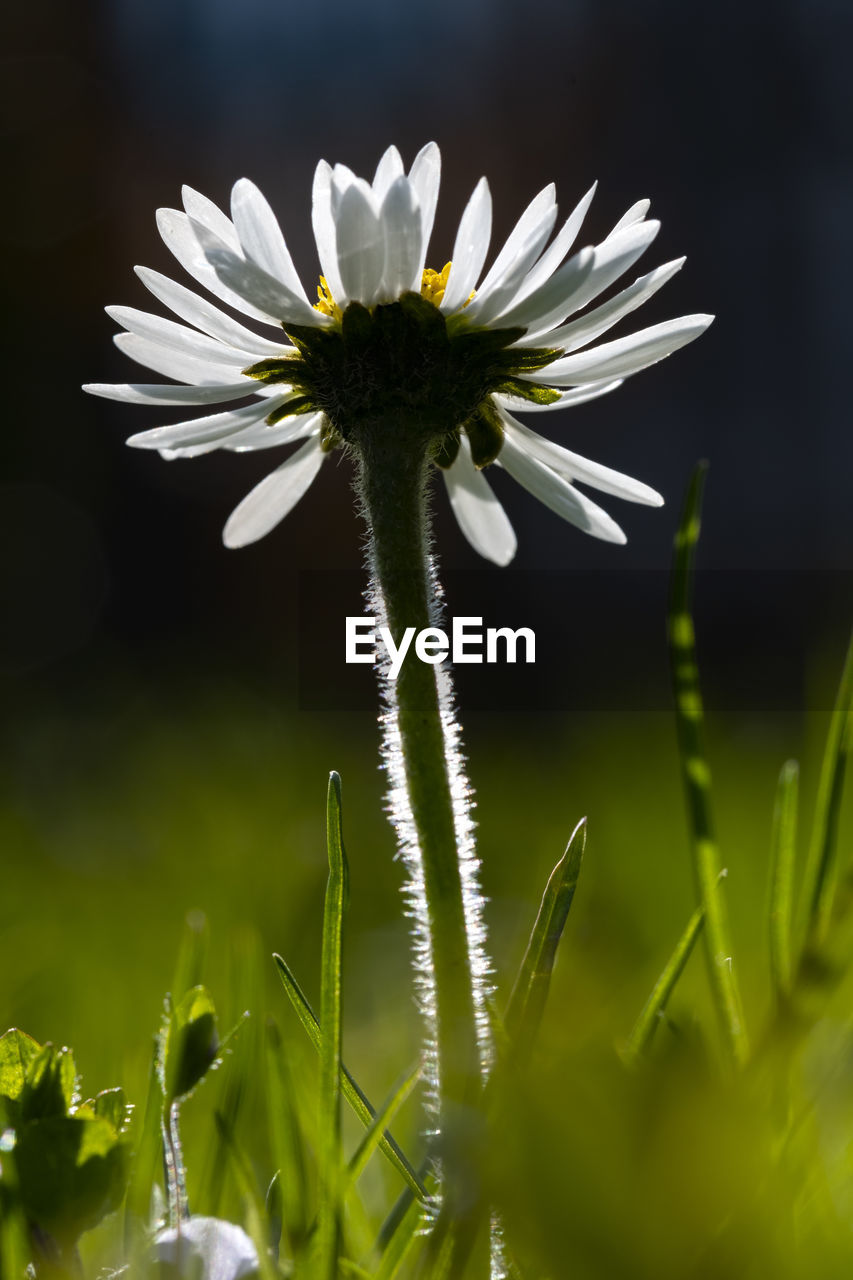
351	1091
71	1172
781	897
50	1085
407	1231
111	1105
189	1044
373	1134
821	875
697	777
17	1052
527	1001
331	1000
654	1008
148	1162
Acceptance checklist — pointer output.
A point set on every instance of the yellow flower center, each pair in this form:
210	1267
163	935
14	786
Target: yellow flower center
433	285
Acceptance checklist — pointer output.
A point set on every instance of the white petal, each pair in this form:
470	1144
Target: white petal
174	364
571	466
271	500
270	296
553	298
557	250
488	306
636	213
611	259
361	245
590	326
299	427
177	337
324	228
625	355
401	229
389	169
558	494
179	238
578	395
206	1249
470	249
254	438
481	517
215	426
204	211
205	316
425	177
260	236
163	394
533	227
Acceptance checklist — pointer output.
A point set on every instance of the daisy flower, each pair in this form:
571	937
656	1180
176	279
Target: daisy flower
444	359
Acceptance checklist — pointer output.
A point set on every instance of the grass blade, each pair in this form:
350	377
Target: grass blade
397	1249
697	777
148	1164
352	1093
527	1001
647	1023
821	877
379	1123
331	999
288	1145
783	847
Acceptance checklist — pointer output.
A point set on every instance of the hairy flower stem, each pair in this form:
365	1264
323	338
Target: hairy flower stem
423	764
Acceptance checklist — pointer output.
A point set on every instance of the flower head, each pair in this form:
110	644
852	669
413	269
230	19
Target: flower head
393	351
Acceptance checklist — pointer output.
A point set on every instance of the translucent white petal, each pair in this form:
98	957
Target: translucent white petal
299	427
636	213
361	245
272	297
324	228
204	211
179	238
174	364
578	395
589	327
162	394
541	212
205	1249
205	316
271	500
215	426
553	298
480	516
572	467
489	303
260	235
625	355
254	438
611	259
560	246
425	177
389	169
470	248
557	494
401	230
179	337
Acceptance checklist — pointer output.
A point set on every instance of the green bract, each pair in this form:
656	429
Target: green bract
402	366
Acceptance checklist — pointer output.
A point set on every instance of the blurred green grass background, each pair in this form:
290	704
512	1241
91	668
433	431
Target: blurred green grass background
122	813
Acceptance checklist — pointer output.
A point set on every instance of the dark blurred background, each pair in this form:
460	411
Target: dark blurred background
149	676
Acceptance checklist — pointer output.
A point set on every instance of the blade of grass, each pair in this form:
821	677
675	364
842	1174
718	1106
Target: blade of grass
256	1213
331	998
821	877
397	1248
192	955
147	1165
527	1001
652	1012
373	1134
697	777
288	1145
352	1093
783	844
